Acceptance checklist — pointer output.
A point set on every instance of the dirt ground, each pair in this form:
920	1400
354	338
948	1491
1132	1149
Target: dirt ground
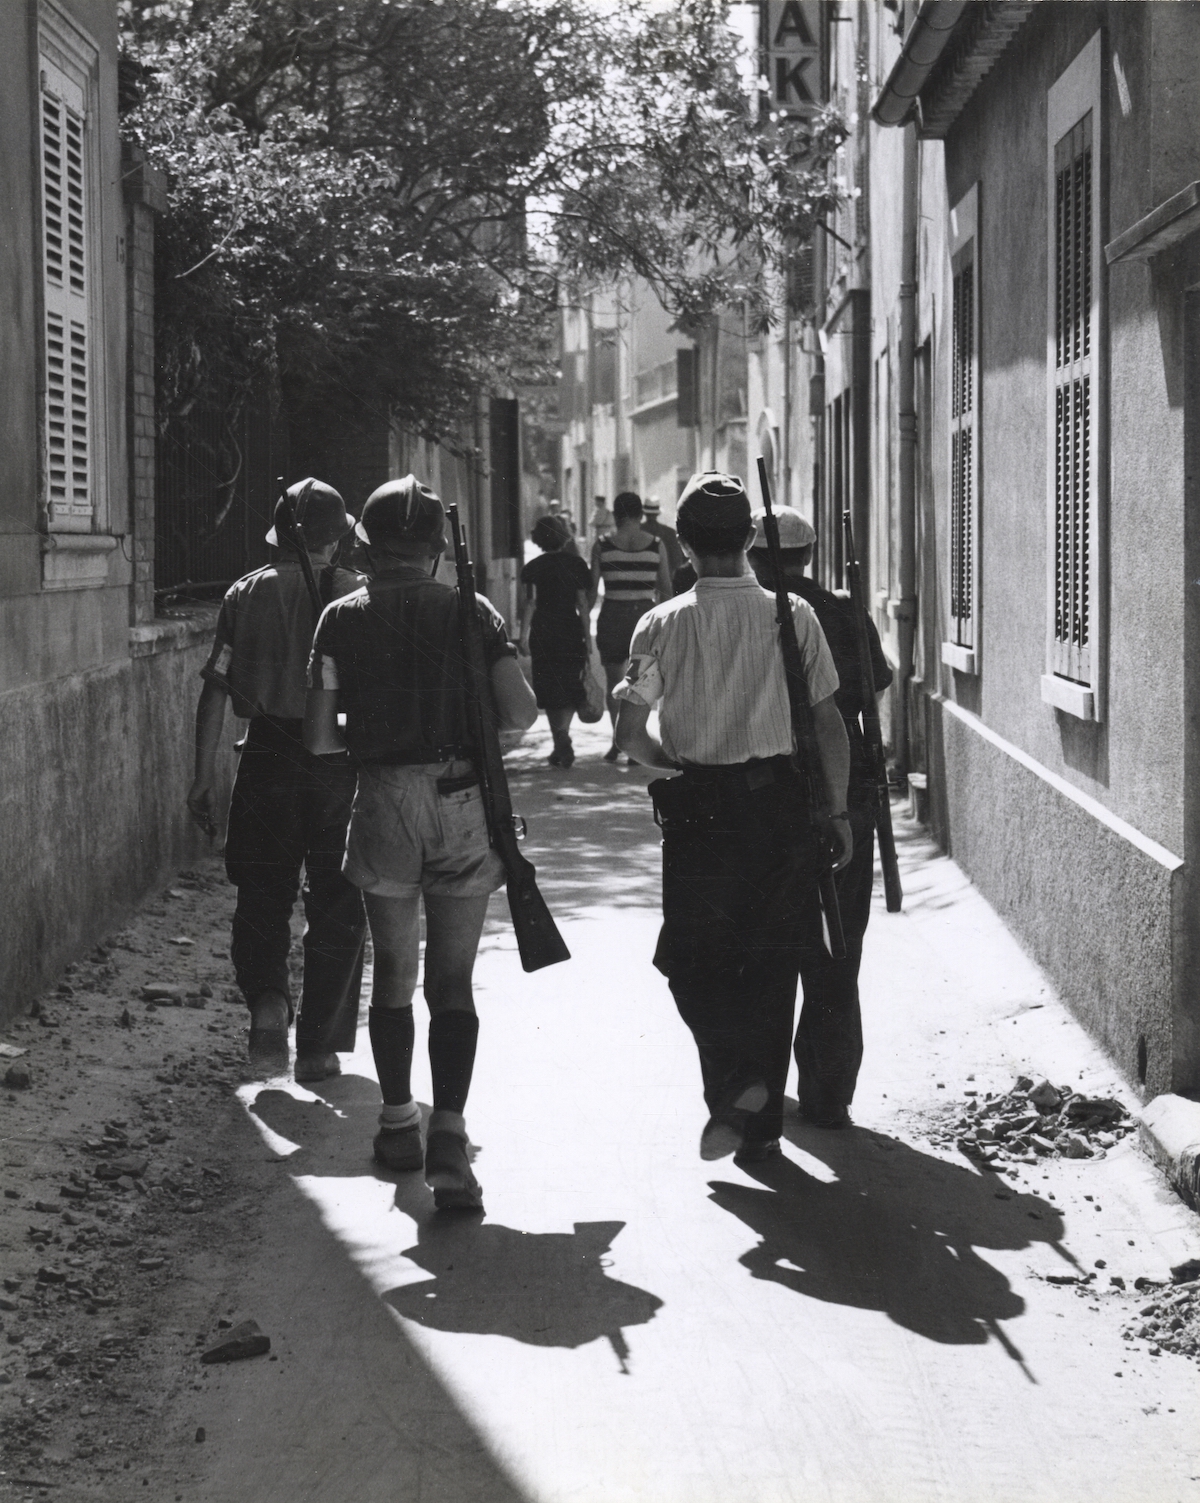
123	1220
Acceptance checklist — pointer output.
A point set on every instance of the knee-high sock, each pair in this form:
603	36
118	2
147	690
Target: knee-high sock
391	1030
452	1037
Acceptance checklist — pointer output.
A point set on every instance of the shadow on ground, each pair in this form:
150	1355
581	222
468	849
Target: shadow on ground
545	1289
891	1229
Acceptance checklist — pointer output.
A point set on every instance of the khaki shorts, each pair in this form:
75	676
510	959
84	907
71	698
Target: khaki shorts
406	837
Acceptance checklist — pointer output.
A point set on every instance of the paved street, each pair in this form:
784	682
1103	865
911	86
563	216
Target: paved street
868	1320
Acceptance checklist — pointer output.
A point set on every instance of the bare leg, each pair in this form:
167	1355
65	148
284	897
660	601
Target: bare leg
452	930
613	674
396	938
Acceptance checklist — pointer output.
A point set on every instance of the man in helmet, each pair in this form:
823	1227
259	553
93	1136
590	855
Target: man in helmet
391	661
289	810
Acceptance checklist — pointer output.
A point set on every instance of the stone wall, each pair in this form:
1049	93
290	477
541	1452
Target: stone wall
95	768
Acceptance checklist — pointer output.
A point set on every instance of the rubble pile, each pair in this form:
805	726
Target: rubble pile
1032	1122
1171	1320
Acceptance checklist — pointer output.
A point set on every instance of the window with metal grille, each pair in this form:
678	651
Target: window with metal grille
66	295
1074	501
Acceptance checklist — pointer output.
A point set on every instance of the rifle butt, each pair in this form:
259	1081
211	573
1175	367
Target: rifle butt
893	892
539	943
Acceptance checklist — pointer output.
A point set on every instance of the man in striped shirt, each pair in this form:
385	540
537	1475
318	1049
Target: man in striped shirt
740	904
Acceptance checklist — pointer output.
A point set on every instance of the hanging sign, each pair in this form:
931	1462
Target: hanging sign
791	48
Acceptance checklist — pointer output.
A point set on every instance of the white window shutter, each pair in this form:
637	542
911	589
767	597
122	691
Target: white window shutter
66	291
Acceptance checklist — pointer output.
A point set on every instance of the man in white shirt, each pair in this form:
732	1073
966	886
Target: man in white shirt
740	904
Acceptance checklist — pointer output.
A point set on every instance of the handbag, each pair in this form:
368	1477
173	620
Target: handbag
594	687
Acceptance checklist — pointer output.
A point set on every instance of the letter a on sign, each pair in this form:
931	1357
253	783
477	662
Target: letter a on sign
791	45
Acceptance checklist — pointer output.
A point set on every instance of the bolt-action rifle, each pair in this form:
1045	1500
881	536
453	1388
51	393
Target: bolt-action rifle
872	736
289	529
806	758
538	940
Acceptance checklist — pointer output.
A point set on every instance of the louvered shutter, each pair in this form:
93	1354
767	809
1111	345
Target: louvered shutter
1074	388
963	454
66	291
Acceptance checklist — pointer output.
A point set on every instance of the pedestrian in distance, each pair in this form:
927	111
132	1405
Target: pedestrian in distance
633	566
390	659
740	899
667	536
829	1041
289	810
556	631
601	522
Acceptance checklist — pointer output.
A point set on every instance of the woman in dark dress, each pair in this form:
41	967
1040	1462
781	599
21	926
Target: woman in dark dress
555	630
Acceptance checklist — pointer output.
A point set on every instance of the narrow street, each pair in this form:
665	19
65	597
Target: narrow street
871	1319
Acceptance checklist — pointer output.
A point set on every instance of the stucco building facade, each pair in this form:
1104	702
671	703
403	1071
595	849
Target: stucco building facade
1033	280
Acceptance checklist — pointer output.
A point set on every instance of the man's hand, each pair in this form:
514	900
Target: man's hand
844	836
202	807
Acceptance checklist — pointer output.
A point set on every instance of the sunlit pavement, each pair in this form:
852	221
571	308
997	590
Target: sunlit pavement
867	1320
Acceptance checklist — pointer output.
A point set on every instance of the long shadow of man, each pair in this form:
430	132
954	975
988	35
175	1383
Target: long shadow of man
544	1288
896	1230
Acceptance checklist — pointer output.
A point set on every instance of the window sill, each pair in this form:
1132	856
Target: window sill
1075	699
961	658
173	634
75	560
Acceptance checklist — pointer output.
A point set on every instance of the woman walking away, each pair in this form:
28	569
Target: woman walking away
633	565
555	630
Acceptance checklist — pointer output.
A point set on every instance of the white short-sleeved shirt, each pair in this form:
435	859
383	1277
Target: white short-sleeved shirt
710	661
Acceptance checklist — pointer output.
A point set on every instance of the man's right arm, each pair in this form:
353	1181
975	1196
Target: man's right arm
210	719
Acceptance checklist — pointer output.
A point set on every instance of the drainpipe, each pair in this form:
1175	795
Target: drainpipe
904	609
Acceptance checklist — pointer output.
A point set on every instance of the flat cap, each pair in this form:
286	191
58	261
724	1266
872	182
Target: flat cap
714	500
795	531
404	510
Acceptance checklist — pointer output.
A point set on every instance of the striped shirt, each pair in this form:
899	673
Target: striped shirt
629	576
710	661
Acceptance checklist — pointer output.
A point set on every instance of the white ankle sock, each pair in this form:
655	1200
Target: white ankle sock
392	1118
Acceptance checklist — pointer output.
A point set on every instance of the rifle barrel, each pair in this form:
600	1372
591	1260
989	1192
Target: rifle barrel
807	755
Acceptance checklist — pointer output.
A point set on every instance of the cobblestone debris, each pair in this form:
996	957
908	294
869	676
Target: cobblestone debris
1031	1122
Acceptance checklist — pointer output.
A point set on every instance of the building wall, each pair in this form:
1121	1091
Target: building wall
95	767
1085	859
95	715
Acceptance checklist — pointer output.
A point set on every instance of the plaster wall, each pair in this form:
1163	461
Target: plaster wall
1092	905
1131	762
94	768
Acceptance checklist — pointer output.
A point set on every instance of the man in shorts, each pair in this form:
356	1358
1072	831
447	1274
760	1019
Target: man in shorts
390	659
289	810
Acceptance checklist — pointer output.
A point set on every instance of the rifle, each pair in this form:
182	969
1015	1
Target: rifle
806	758
872	736
288	517
538	940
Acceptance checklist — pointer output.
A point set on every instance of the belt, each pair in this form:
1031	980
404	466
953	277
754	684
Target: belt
757	773
413	756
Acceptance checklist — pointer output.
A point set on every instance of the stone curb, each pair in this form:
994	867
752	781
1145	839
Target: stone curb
1169	1129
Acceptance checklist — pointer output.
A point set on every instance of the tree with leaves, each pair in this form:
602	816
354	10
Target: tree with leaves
373	203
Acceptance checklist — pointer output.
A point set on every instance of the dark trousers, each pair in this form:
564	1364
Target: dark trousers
290	811
829	1042
740	911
